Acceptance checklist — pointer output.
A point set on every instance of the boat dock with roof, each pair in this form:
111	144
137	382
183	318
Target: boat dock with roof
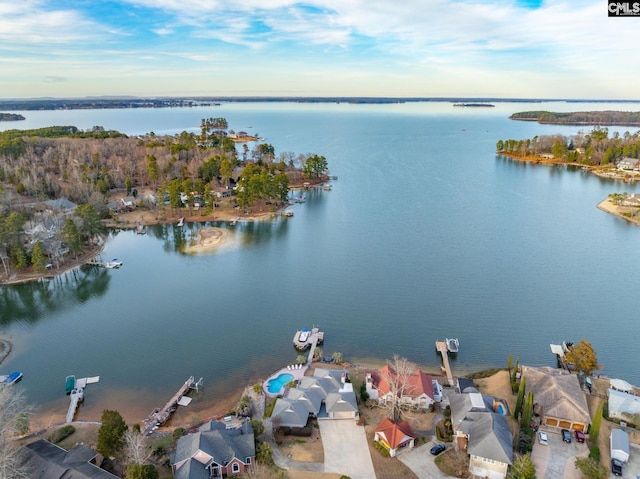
159	416
305	338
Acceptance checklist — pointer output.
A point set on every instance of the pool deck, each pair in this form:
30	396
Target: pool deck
296	373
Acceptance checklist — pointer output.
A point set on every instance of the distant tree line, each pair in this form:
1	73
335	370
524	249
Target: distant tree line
594	148
618	118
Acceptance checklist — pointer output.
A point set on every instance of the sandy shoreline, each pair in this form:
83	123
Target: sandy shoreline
624	212
207	239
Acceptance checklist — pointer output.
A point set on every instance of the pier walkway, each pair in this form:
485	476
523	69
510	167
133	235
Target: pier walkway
160	416
314	344
441	346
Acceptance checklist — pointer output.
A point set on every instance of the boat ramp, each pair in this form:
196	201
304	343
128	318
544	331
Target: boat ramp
159	416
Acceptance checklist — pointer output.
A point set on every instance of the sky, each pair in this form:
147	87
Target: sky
380	48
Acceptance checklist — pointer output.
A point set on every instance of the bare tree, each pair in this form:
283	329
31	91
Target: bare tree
396	376
14	420
136	448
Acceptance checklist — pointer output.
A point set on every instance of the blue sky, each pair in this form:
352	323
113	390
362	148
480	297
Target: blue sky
424	48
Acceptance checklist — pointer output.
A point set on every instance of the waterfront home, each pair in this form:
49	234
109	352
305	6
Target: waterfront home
394	436
214	451
629	164
419	390
483	433
327	394
43	459
558	394
623	405
128	202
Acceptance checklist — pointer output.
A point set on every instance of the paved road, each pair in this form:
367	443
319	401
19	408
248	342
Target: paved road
345	449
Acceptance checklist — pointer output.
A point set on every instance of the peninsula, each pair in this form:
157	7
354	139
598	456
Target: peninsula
11	117
104	179
580	118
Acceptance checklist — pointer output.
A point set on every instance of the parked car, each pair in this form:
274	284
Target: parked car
437	449
579	436
616	467
542	438
566	436
534	426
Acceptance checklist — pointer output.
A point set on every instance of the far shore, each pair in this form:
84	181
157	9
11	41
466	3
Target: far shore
624	212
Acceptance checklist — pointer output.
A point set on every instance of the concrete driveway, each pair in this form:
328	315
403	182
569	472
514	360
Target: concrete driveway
345	449
556	460
421	462
632	468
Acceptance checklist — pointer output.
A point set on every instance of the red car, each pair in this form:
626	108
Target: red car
579	436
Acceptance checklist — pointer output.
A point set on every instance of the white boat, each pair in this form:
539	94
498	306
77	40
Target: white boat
288	213
305	337
326	187
113	264
12	378
180	222
299	199
452	345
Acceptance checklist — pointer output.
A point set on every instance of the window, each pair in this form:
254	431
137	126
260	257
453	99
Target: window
248	460
235	467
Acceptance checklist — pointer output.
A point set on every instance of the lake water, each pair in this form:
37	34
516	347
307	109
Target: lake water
426	234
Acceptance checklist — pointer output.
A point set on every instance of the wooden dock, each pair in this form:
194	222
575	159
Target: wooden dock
442	347
159	416
77	395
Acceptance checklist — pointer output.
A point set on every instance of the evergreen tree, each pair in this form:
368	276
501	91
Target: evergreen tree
39	257
111	433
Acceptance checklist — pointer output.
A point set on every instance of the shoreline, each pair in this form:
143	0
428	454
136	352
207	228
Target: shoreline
620	211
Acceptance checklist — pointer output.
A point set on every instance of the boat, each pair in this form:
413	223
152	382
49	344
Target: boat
452	345
70	384
113	264
326	187
288	213
305	338
12	378
180	223
140	229
299	199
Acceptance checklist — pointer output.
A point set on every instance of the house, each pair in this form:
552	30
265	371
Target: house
559	396
214	451
44	460
483	433
419	390
327	394
61	205
394	436
128	202
628	164
623	405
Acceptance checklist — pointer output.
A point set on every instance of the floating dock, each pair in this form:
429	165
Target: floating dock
76	393
159	416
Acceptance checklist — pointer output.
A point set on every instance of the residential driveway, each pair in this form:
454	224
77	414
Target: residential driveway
421	462
632	468
557	459
345	449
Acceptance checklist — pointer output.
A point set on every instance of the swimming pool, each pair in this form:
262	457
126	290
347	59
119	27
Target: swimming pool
275	385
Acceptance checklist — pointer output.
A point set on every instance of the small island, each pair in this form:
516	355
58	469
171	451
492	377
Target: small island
11	117
475	105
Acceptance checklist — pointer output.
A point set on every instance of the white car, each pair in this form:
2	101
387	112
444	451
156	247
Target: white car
542	438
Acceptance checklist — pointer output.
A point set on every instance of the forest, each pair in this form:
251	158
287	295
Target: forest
607	117
86	167
595	148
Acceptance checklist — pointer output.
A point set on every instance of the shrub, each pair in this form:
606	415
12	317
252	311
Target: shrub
380	447
594	453
63	433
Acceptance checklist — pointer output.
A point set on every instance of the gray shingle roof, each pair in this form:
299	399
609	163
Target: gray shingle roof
290	413
214	440
44	460
489	436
